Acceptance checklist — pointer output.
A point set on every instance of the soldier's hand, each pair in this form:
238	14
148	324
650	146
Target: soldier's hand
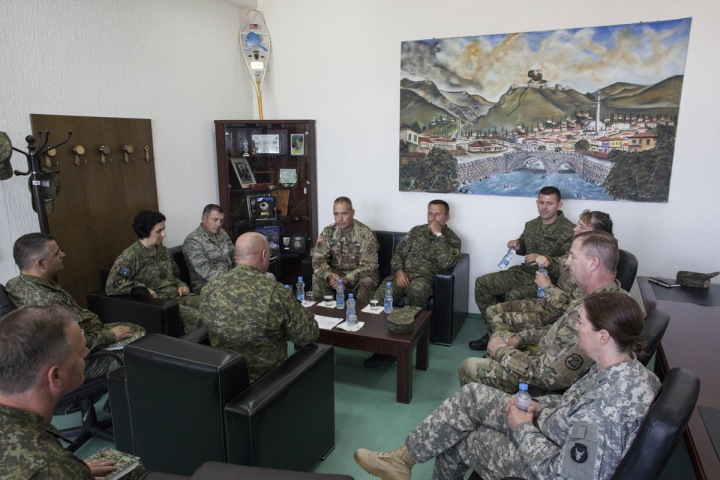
332	280
541	280
152	293
121	332
515	416
401	280
531	258
182	291
101	467
514	244
540	260
535	408
434	227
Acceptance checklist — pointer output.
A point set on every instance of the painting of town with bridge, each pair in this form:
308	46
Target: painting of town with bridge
592	111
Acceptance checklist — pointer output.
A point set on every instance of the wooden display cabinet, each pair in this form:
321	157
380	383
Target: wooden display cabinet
267	180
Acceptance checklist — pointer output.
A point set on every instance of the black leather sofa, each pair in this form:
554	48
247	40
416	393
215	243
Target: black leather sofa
177	404
224	471
450	302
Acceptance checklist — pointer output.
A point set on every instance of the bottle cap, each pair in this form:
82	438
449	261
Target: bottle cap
350	295
299	279
287	286
339	281
389	284
523	386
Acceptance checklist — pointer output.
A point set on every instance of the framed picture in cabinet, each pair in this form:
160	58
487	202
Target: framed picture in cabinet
244	173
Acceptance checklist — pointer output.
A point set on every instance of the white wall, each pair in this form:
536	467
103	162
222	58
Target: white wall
176	62
339	62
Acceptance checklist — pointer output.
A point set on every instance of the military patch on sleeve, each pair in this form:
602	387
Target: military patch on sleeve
574	361
405	238
371	249
320	239
580	452
456	252
125	272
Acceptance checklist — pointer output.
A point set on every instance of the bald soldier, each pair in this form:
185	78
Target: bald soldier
250	314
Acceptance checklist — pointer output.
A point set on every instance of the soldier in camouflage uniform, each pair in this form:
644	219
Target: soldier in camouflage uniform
583	434
208	250
519	315
347	250
148	263
559	361
42	352
420	255
252	315
39	258
550	235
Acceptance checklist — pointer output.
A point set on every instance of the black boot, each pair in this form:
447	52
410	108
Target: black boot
481	343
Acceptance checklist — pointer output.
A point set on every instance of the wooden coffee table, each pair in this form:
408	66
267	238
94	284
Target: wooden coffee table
375	337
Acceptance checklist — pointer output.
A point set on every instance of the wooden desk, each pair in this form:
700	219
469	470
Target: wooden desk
692	341
375	337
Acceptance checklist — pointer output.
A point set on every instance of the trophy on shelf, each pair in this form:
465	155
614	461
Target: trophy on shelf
255	43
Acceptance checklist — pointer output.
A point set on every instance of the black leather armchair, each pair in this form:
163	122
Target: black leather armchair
656	322
627	269
177	404
153	314
450	302
224	471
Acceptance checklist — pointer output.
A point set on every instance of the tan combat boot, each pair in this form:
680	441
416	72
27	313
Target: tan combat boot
393	465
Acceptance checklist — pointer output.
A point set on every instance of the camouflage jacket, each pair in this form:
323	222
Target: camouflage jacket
29	448
249	314
421	252
207	257
551	240
152	268
560	360
27	291
356	259
584	433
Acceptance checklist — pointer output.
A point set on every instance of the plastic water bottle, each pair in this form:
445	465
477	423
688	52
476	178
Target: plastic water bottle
352	321
388	298
340	297
350	306
541	292
522	398
503	265
300	290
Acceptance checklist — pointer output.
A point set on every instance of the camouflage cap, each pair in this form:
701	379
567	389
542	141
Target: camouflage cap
402	320
5	154
694	279
49	189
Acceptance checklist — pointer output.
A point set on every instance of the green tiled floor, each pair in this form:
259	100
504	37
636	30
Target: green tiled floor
367	415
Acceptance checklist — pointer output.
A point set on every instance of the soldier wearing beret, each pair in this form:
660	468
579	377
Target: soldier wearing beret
550	235
208	250
250	314
149	264
39	259
42	353
580	435
346	250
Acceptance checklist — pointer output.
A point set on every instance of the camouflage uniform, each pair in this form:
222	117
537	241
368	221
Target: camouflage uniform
29	448
582	434
153	268
249	314
207	256
519	315
27	291
356	259
551	240
558	362
421	255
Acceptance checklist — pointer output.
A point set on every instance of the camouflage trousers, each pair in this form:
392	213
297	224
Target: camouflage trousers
417	293
489	372
514	282
469	430
190	315
519	315
104	364
362	289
